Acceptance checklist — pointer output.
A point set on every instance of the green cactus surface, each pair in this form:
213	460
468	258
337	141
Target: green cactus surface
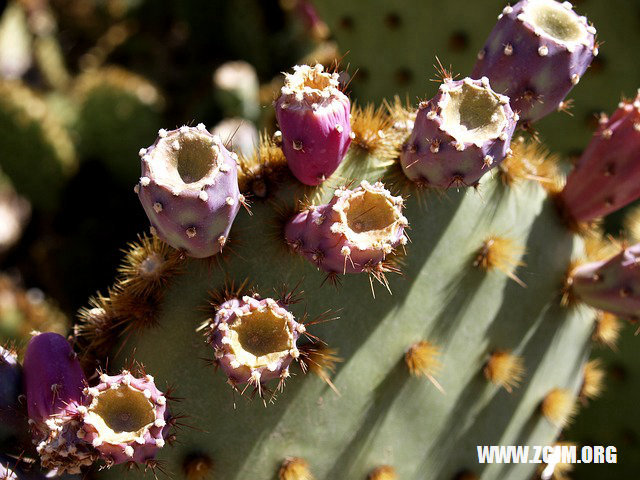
599	424
36	150
117	111
382	414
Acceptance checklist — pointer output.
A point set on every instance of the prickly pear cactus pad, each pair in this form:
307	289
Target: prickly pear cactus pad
36	151
482	274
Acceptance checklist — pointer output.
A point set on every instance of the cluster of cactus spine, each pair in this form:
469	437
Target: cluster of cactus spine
450	319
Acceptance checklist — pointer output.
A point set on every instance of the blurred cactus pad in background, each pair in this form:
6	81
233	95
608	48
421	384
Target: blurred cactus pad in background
295	240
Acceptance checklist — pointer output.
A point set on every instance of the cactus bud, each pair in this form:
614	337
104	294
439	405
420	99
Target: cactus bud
189	190
313	115
607	176
126	418
459	135
612	285
254	340
353	232
537	53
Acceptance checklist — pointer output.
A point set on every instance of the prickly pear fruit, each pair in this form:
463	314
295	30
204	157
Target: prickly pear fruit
53	376
313	115
352	233
458	135
611	285
536	54
607	176
54	384
254	340
189	190
125	418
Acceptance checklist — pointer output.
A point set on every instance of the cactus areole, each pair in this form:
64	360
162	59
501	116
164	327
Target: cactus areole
189	190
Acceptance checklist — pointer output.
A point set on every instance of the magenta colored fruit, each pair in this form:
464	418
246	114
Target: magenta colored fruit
314	118
352	233
125	418
611	285
254	340
53	376
607	176
54	384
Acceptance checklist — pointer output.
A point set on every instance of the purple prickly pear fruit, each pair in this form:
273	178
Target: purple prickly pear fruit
536	54
254	340
607	176
10	384
611	285
352	233
189	190
126	418
54	379
313	115
458	135
54	384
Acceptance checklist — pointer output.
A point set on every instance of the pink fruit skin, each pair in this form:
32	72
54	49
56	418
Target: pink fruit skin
607	176
612	285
